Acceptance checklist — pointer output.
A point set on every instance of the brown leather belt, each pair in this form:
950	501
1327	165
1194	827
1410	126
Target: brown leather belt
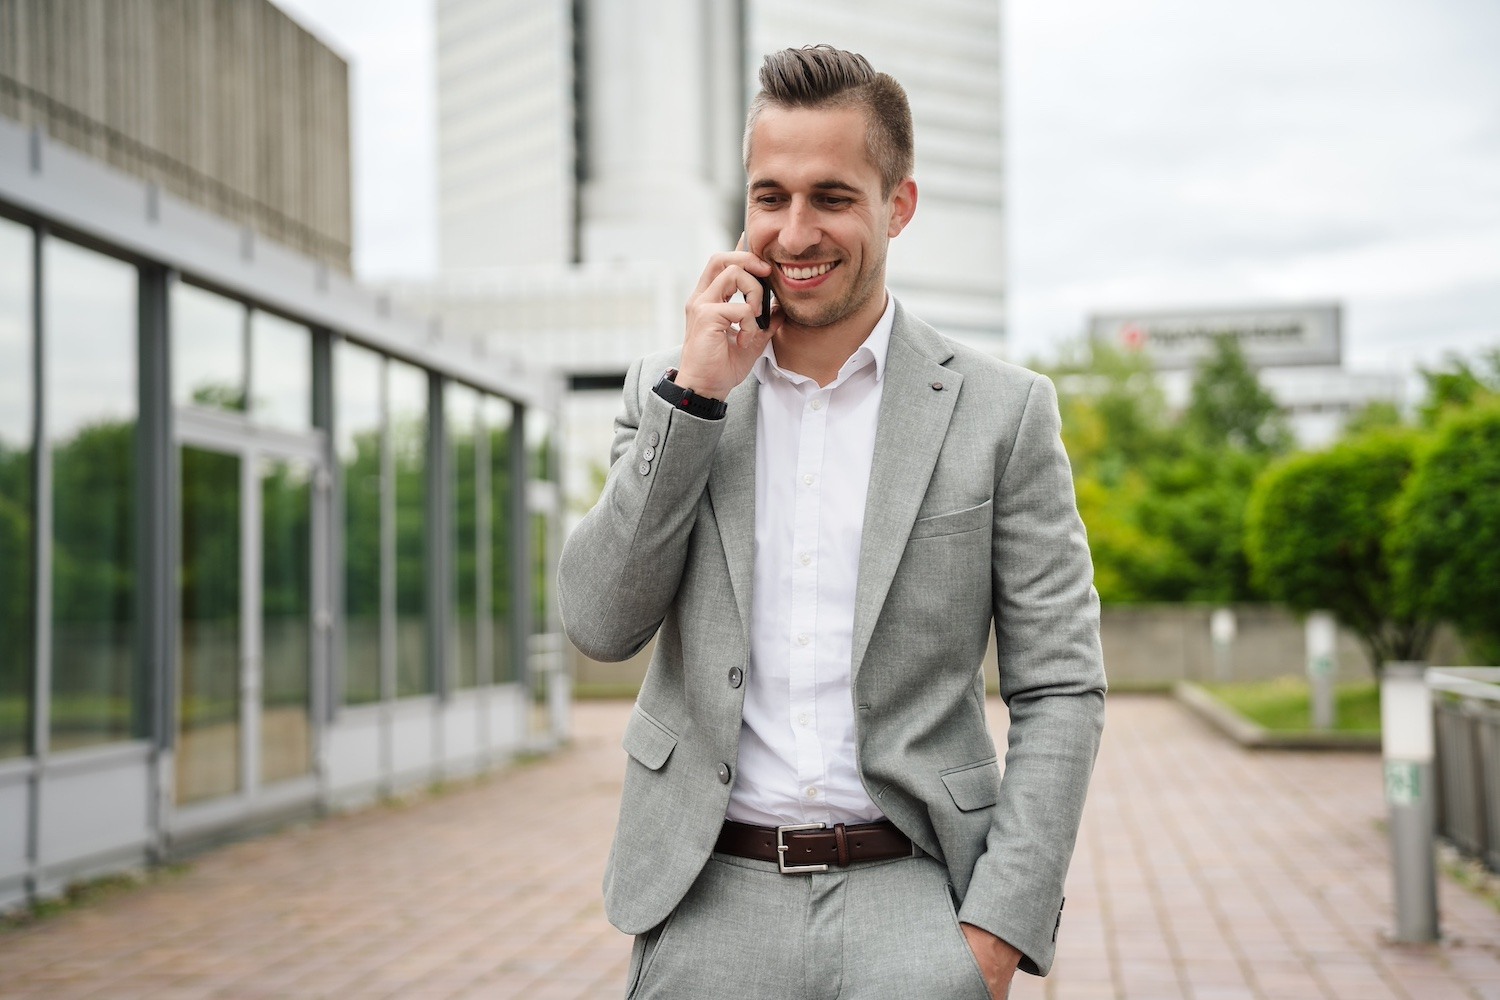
813	847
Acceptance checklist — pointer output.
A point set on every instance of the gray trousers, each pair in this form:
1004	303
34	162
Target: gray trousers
874	931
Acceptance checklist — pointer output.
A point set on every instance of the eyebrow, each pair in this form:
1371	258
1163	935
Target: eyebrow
828	185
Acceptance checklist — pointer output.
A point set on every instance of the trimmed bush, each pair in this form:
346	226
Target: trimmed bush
1316	531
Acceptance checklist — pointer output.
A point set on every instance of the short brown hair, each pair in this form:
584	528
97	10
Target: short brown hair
821	76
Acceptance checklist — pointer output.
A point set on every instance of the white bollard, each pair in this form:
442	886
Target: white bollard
1407	744
1322	668
1221	629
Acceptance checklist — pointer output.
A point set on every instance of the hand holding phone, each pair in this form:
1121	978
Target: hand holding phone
721	341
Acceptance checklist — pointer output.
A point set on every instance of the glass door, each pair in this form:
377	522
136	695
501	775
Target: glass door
245	619
211	627
284	669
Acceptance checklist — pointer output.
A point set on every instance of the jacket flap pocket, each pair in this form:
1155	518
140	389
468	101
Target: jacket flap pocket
974	786
954	522
647	740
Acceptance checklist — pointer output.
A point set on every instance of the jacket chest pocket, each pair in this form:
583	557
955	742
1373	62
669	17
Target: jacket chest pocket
954	522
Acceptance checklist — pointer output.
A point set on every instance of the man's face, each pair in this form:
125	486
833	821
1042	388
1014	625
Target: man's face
816	213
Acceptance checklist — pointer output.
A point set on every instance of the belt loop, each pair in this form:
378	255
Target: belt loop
841	840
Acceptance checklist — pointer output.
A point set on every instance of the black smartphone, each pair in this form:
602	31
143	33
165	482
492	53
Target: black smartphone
764	319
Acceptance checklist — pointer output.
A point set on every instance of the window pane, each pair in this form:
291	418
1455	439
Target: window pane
208	652
91	402
408	429
462	406
286	619
543	466
498	415
208	349
280	372
17	398
357	375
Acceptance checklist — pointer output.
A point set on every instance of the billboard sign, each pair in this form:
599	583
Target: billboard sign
1270	336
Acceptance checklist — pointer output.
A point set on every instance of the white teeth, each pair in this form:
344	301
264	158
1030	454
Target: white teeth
803	273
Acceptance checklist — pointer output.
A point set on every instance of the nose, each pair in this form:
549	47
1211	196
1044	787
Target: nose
799	229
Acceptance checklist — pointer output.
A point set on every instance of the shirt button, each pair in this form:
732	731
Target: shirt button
802	720
807	480
736	677
817	404
806	559
723	774
812	793
803	639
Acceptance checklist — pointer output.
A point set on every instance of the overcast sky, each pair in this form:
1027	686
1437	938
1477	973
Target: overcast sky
1162	154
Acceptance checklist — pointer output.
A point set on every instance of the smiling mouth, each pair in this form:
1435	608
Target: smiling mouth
803	273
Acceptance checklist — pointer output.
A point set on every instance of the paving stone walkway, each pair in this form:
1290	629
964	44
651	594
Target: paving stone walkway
1203	872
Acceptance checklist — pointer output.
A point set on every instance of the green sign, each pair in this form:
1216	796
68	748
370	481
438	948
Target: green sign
1402	782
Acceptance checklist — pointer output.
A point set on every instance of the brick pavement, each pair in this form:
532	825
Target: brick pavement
1203	872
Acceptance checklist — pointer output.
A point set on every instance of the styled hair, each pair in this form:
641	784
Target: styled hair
821	76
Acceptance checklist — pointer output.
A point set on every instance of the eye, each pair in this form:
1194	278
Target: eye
833	201
769	200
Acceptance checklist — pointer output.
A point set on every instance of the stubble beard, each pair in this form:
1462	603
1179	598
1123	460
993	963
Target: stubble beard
867	285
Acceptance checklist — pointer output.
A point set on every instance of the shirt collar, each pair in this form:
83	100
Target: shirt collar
875	347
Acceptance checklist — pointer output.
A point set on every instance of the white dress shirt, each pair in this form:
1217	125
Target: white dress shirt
813	449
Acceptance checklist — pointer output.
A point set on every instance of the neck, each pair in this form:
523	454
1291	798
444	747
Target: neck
820	351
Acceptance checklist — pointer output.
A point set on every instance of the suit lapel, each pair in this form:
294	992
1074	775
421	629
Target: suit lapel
731	489
914	419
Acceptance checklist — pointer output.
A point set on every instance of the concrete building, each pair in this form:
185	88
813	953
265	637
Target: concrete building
589	162
266	547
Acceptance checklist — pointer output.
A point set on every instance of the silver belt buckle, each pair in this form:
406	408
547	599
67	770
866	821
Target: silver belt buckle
781	848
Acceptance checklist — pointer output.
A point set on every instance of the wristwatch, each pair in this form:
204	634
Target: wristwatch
686	399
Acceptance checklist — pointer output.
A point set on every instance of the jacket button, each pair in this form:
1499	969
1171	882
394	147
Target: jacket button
723	774
736	677
644	468
655	439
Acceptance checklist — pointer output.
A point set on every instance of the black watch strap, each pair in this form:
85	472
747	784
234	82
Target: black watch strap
686	399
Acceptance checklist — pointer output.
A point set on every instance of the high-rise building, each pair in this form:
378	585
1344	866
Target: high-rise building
590	161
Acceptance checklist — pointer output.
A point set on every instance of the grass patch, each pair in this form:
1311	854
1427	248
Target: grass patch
1284	705
81	894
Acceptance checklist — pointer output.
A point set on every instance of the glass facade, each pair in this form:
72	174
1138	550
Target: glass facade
359	445
467	513
499	416
90	405
407	394
208	350
17	534
280	372
541	465
181	527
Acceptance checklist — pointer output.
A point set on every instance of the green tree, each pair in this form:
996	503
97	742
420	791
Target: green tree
1377	416
1230	408
1316	527
1164	501
1461	385
1446	544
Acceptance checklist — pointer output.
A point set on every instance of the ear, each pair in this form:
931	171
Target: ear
903	206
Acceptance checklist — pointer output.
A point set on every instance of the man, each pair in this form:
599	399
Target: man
818	522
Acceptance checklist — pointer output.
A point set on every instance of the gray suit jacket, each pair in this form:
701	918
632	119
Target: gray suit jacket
970	520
